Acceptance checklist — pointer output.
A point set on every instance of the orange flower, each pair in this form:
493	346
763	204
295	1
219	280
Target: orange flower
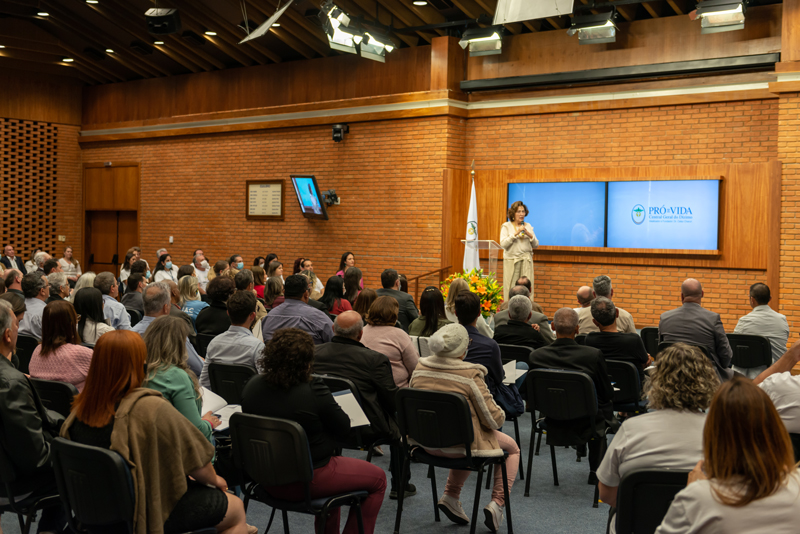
474	279
481	290
487	305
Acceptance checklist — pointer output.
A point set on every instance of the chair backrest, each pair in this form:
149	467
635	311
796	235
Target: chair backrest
338	383
56	396
665	345
644	497
515	352
272	451
649	336
228	381
795	445
580	339
434	419
136	315
750	351
94	483
626	379
25	347
203	341
562	395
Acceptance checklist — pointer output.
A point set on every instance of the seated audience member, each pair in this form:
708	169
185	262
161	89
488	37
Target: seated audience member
36	291
312	301
403	283
296	313
214	319
237	346
191	304
70	266
17	303
30	265
115	412
259	261
333	298
11	261
39	259
140	266
125	270
308	265
613	344
432	316
458	286
298	265
269	259
526	282
60	356
133	293
783	388
275	269
693	324
26	429
390	281
175	310
602	288
353	284
273	293
286	390
348	260
157	303
565	353
13	281
245	282
88	303
259	280
201	269
236	262
221	267
51	266
747	482
115	312
363	302
382	335
517	331
670	436
59	286
448	372
585	295
371	372
764	321
168	372
185	270
2	284
537	315
86	280
165	270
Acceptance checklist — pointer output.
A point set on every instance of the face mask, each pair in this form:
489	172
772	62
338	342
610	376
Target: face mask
147	275
168	265
261	265
240	265
204	264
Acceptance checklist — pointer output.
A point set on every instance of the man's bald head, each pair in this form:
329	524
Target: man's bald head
348	324
565	322
174	292
585	296
691	291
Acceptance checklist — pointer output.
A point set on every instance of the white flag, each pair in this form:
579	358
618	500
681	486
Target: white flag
471	259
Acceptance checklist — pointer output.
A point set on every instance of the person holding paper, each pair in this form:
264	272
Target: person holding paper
285	389
518	241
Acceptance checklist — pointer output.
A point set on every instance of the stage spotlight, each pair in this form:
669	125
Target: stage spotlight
483	41
592	29
163	21
721	15
338	132
375	47
341	34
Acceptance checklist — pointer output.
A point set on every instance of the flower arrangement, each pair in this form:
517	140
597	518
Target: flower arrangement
486	287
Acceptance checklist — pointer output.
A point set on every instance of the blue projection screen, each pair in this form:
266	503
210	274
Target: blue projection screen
678	214
570	214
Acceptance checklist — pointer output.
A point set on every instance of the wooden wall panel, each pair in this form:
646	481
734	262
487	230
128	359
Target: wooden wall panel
790	38
643	42
39	97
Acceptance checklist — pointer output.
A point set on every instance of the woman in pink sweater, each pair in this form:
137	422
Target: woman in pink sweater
60	357
381	335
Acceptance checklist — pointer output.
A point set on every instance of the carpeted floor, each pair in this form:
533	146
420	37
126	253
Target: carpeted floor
566	508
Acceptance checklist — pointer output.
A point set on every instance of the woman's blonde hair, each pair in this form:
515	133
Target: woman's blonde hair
457	286
165	339
85	280
683	380
188	289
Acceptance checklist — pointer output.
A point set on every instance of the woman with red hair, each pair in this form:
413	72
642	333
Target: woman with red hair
114	412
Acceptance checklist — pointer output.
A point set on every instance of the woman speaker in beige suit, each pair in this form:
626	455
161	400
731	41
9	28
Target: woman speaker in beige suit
518	241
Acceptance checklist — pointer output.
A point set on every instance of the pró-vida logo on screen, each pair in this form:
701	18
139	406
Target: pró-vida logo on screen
678	214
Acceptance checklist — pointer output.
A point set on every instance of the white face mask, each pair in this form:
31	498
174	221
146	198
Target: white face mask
261	265
204	264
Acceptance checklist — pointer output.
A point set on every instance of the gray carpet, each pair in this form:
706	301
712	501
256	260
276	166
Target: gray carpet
566	508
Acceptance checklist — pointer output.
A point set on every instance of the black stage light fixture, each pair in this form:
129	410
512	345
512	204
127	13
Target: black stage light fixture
483	41
721	15
141	47
330	197
592	29
339	130
163	21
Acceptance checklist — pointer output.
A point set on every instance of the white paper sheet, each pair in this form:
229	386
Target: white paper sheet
512	373
225	414
349	404
211	401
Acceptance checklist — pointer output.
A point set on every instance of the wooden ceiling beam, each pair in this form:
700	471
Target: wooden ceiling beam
368	11
556	22
470	8
654	8
680	7
628	12
51	70
411	17
268	7
291	33
59	50
49	59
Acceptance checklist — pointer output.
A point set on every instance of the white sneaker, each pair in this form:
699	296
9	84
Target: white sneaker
452	509
494	516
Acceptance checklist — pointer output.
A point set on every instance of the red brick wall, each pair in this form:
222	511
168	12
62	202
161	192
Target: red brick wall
789	154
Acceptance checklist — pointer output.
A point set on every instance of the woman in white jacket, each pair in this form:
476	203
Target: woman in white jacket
518	241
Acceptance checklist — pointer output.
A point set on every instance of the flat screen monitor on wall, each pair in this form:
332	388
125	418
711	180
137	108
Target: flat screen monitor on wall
569	214
674	214
309	197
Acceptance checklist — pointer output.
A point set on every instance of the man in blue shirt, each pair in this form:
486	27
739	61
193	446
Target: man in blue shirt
296	313
115	312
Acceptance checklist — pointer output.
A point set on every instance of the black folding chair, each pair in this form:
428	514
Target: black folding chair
564	396
203	340
795	445
56	396
228	381
96	489
437	420
628	395
274	452
649	335
750	351
644	496
25	508
136	315
25	347
665	345
580	339
515	352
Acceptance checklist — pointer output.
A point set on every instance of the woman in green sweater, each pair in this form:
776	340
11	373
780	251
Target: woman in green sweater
168	371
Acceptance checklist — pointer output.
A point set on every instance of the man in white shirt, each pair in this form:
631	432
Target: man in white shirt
10	261
585	297
36	290
118	317
201	269
783	388
764	321
601	287
308	265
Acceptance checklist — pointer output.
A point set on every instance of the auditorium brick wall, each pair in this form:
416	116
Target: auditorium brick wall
789	154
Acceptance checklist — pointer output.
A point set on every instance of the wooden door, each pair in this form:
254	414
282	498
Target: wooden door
127	233
101	234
